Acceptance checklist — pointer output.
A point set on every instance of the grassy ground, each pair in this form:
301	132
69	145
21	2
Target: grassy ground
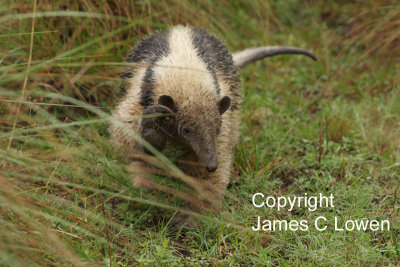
330	126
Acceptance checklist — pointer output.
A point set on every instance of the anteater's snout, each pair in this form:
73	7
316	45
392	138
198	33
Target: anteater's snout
212	168
207	158
212	163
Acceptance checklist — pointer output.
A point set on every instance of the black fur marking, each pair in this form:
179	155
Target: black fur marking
147	88
148	51
126	75
214	54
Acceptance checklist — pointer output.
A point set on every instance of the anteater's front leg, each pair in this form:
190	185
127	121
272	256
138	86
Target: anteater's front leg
215	183
156	126
213	186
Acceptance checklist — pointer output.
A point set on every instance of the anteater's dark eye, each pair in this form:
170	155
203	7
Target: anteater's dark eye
186	130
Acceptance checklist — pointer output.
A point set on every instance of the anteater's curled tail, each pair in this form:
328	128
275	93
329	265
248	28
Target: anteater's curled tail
247	56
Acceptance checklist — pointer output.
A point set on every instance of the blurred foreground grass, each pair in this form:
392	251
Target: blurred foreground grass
325	127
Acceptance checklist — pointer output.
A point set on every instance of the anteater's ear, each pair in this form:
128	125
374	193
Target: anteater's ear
167	101
223	104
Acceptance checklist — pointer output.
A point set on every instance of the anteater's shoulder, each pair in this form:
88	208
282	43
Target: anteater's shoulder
213	52
208	47
148	51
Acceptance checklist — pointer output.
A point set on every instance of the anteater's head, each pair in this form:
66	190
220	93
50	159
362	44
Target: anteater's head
197	125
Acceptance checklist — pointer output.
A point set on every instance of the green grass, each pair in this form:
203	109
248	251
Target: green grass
330	126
